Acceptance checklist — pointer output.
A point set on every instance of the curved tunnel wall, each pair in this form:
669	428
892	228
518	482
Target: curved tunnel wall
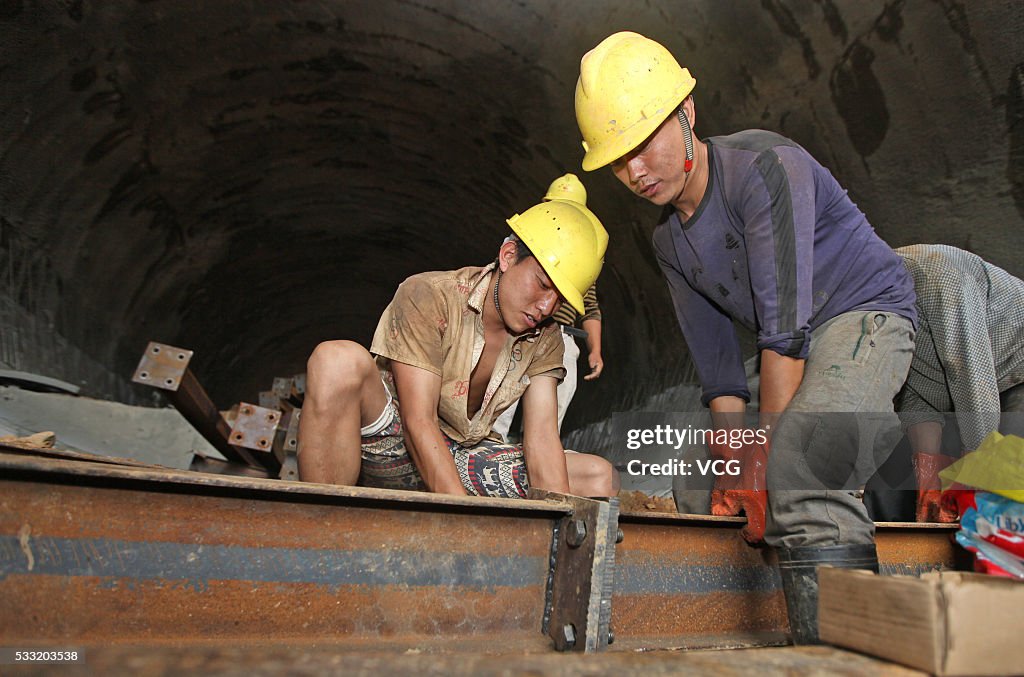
247	179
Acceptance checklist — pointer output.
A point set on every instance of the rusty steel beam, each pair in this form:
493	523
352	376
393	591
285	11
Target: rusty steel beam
140	554
166	367
692	581
91	553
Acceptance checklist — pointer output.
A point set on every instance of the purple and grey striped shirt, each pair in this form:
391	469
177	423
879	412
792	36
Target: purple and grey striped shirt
777	245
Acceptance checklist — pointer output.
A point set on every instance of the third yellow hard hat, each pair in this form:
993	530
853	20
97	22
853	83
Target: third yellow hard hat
567	187
628	85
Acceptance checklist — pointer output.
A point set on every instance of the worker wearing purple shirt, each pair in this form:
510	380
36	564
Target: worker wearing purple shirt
758	233
776	245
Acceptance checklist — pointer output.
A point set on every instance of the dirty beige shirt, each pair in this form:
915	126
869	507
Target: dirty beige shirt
435	322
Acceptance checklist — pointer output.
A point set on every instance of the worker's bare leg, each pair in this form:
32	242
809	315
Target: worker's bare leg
591	475
343	393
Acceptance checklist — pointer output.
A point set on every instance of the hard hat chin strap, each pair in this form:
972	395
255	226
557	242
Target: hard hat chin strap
687	139
497	306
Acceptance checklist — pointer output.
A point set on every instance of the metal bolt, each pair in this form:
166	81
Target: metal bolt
611	636
576	533
569	633
618	539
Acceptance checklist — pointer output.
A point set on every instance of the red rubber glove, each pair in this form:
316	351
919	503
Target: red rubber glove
930	508
746	492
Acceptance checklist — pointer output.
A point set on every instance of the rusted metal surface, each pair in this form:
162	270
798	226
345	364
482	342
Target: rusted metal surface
912	549
142	554
692	576
205	464
473	659
139	555
166	367
683	578
578	609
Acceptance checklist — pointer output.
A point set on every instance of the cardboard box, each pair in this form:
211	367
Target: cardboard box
948	623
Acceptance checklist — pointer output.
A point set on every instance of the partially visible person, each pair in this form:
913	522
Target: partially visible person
569	187
968	359
451	352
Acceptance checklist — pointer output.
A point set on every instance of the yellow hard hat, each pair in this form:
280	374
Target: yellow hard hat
628	85
568	241
567	187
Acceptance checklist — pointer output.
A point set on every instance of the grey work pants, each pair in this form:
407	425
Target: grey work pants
837	430
1012	422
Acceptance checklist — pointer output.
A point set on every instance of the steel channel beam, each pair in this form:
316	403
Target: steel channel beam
91	552
692	581
166	367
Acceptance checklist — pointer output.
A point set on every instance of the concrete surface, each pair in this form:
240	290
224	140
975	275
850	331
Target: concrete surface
159	436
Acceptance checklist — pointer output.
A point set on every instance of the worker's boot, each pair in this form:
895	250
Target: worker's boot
799	570
929	488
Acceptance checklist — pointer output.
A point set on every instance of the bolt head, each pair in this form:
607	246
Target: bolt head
569	634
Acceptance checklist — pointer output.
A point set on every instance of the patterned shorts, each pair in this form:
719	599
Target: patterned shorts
488	469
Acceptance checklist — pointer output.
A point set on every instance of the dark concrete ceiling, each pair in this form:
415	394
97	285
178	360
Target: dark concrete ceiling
249	178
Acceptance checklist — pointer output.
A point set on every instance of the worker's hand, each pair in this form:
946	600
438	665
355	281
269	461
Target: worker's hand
596	366
930	508
746	492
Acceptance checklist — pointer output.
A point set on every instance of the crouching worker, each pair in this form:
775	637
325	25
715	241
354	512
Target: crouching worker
451	352
968	359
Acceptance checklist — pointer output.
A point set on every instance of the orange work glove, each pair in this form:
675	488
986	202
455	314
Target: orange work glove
725	483
929	488
746	492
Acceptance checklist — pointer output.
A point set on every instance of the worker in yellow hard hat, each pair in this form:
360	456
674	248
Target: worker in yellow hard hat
758	233
456	349
569	188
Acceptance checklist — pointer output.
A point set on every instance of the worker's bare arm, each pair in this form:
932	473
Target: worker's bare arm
781	376
542	447
419	392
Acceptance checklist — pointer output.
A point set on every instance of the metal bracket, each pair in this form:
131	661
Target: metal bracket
298	393
166	367
282	387
162	366
578	606
269	399
286	444
255	427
